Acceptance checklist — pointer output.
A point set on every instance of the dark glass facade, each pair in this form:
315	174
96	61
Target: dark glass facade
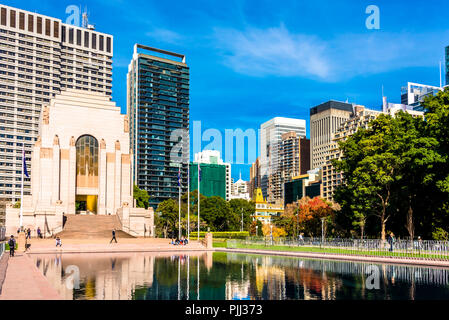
158	106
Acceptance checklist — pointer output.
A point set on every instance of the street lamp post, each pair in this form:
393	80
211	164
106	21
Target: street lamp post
257	233
322	231
271	234
241	229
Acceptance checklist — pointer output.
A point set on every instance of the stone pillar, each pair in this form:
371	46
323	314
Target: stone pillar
117	176
208	240
102	172
35	165
110	163
56	161
126	180
46	177
64	174
72	177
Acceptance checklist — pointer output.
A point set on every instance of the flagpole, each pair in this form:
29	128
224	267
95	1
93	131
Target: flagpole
199	172
179	192
21	189
188	201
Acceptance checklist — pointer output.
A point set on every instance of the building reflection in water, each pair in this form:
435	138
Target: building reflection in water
219	276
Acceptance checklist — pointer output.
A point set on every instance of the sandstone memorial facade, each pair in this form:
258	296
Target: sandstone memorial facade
81	165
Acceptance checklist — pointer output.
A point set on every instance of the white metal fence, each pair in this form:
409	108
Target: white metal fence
408	249
2	233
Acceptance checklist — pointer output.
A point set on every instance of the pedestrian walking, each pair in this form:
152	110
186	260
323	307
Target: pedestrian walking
113	237
12	246
391	241
58	242
28	234
39	234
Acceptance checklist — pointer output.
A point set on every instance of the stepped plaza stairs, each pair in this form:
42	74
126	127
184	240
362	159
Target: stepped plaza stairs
91	227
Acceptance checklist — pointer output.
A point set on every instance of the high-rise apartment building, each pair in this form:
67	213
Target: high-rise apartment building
39	57
331	178
325	119
361	118
254	178
294	160
270	138
158	110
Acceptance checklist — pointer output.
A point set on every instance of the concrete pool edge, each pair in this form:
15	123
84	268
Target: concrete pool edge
331	256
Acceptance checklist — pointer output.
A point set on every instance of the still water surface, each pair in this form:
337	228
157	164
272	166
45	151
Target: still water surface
227	276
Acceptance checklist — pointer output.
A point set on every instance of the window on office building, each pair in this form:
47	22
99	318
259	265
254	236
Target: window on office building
12	19
56	29
78	37
30	23
71	35
109	44
94	41
101	46
86	39
22	21
47	27
39	25
3	17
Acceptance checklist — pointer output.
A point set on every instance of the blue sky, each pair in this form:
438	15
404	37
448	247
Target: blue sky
253	60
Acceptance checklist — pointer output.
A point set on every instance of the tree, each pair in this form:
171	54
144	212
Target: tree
218	215
370	166
142	197
247	207
168	214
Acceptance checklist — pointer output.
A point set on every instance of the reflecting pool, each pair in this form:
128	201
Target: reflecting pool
227	276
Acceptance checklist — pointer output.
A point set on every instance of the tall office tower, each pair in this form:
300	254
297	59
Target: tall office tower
271	135
158	109
413	94
254	178
294	160
213	157
39	57
325	119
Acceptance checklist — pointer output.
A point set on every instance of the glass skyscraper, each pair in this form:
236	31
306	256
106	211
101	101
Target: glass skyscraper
158	110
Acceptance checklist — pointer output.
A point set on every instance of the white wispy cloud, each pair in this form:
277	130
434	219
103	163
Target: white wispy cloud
279	52
273	51
165	35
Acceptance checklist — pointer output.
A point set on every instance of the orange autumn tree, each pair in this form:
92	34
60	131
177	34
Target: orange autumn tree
304	216
277	232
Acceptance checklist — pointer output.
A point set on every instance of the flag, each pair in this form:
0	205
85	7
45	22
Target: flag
24	164
179	177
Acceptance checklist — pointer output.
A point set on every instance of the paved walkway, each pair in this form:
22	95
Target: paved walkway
24	281
39	246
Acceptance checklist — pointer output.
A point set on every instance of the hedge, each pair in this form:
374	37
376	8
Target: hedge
7	246
223	234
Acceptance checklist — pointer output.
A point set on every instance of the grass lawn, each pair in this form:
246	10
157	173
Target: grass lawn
219	243
340	251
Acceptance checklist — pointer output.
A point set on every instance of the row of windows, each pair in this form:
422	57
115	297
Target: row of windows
43	25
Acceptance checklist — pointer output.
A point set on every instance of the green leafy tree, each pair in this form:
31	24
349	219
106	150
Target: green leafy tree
142	197
218	215
370	166
247	207
168	212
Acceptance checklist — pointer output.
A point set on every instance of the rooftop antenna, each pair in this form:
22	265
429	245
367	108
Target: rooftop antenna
86	24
